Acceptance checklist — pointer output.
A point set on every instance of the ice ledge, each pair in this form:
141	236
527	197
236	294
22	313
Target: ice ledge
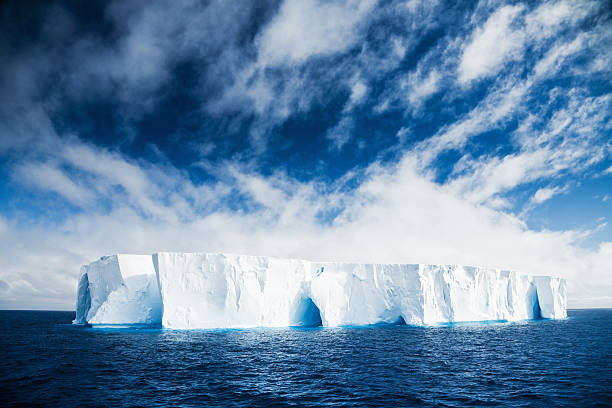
203	290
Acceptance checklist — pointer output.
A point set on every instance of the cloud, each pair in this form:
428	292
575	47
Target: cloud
491	112
358	92
47	177
340	134
311	52
492	44
134	56
510	31
309	28
569	142
553	59
507	98
284	77
422	88
413	89
545	194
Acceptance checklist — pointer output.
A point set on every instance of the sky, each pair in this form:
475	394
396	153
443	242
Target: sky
475	133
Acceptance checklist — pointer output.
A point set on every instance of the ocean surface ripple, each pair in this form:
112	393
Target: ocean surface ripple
46	361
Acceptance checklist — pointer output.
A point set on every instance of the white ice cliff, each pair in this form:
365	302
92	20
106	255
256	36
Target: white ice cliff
119	289
200	290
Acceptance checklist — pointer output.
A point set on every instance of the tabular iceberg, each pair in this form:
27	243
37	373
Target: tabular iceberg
201	290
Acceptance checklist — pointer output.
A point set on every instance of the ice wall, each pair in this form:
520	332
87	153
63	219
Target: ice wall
551	296
119	289
358	294
201	290
217	290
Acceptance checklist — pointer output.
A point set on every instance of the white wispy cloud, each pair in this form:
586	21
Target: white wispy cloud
341	134
510	30
489	114
545	194
47	177
492	44
508	96
413	89
358	92
569	143
309	28
284	78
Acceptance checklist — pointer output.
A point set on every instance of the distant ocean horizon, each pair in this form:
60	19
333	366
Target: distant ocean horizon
47	361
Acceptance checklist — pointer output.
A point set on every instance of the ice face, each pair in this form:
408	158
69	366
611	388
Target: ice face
358	294
551	296
202	290
363	294
119	289
217	290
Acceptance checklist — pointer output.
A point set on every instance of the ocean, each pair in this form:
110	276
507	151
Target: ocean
46	361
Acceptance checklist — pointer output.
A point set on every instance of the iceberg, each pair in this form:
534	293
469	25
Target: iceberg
204	290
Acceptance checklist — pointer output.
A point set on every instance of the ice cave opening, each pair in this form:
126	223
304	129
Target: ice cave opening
307	314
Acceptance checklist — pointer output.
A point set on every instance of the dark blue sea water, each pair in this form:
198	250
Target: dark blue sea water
45	361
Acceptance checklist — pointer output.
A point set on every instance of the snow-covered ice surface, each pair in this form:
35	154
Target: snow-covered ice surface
202	290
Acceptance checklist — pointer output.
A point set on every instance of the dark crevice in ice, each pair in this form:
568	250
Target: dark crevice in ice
537	312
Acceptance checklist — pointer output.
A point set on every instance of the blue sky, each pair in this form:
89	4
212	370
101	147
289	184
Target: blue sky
371	131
